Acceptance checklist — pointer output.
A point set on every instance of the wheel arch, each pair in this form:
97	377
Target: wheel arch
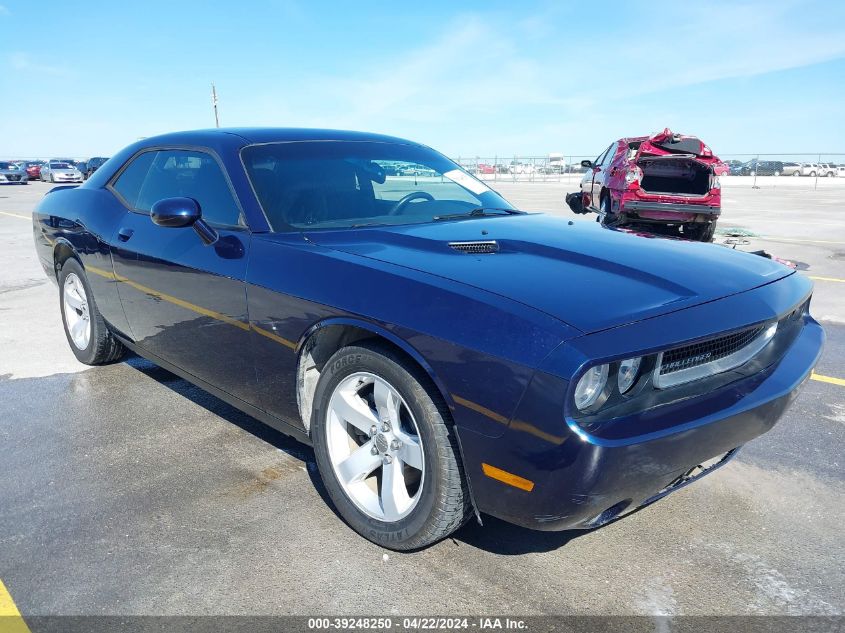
63	250
323	339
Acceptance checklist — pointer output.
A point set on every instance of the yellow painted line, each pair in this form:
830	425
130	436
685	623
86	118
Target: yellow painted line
828	379
16	215
11	620
193	308
842	281
507	478
469	404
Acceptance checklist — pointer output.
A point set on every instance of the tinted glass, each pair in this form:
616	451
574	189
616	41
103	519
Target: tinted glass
7	166
128	184
341	184
190	174
608	157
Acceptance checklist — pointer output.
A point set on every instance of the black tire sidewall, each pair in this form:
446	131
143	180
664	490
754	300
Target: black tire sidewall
85	355
359	359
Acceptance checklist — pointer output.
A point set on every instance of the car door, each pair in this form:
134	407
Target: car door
185	301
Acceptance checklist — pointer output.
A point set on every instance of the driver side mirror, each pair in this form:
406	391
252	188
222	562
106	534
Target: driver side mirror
182	212
586	163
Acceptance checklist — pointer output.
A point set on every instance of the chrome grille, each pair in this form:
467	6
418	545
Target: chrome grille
476	248
689	356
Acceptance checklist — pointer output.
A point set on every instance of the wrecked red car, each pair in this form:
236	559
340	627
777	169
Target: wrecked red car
666	183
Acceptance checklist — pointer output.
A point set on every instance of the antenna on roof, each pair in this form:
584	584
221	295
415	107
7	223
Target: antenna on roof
214	104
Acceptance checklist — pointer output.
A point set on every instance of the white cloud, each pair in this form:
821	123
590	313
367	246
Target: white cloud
4	10
24	62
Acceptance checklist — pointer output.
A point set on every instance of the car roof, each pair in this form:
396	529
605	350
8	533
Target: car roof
269	135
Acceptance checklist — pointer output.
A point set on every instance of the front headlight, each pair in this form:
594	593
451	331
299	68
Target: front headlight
629	369
590	387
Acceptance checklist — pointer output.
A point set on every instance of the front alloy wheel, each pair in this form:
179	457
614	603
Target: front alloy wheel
386	449
374	445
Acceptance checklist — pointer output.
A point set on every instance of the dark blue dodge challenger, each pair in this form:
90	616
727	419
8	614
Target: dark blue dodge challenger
444	353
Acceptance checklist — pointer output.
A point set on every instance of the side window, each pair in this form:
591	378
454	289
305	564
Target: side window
190	174
609	155
128	184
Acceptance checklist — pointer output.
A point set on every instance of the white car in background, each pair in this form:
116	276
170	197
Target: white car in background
827	170
60	171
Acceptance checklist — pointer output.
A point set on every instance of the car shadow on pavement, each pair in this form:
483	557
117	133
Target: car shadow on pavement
506	539
217	406
495	536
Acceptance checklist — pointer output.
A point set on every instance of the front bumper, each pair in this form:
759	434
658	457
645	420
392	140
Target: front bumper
581	481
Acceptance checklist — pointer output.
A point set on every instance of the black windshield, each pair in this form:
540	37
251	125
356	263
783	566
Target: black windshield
344	184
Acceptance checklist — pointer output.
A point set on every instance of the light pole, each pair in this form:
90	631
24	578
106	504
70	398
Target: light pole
214	104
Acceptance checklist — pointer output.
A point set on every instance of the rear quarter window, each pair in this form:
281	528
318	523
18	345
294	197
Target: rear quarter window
129	183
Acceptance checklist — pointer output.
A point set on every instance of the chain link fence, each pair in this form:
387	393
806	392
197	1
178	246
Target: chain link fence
756	170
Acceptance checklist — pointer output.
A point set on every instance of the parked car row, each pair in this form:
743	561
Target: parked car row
53	170
755	167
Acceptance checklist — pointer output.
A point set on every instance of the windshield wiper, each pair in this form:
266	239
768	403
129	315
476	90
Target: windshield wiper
479	212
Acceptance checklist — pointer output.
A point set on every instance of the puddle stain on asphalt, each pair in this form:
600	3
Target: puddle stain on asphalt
266	477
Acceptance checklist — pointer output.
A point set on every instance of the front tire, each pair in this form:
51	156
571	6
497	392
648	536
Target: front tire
386	451
87	333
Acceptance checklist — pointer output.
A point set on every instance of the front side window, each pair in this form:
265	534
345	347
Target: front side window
346	184
176	173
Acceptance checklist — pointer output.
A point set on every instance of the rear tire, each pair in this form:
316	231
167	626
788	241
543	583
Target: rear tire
374	408
700	233
608	218
87	333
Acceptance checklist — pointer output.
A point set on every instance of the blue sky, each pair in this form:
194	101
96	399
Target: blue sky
469	78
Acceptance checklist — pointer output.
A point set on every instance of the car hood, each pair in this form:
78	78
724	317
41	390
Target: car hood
588	276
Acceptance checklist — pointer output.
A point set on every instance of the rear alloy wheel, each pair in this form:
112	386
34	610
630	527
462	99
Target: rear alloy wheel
90	339
796	173
387	456
812	174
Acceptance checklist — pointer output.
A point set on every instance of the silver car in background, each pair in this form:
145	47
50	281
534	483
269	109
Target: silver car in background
12	174
60	171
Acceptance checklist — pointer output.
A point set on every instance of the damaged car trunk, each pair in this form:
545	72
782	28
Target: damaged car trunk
678	175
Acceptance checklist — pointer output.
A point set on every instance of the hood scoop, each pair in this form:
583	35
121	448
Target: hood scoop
478	247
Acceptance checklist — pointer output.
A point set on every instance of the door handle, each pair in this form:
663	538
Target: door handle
124	235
